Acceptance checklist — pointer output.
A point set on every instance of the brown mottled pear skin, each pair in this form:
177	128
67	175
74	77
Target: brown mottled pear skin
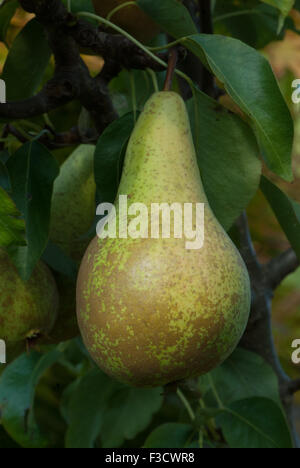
150	311
131	18
28	310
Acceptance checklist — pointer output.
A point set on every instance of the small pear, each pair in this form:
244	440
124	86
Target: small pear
28	310
72	214
150	310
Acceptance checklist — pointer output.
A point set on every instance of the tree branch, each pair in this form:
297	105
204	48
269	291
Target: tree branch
293	387
280	267
258	336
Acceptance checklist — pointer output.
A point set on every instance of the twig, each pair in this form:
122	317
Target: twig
280	267
258	336
72	79
293	386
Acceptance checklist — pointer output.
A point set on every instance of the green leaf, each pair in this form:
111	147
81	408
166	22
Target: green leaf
249	80
86	407
32	170
80	5
254	23
7	11
255	423
17	388
6	441
227	156
286	210
128	413
284	6
121	90
4	177
26	62
170	435
171	15
56	258
109	155
12	228
245	375
102	406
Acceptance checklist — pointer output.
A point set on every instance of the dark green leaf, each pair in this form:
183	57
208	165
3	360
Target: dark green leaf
26	62
249	80
86	407
286	210
171	435
255	423
284	6
121	89
7	11
102	406
108	157
32	170
4	177
128	413
227	156
81	5
254	23
12	228
17	389
171	15
6	441
55	257
245	375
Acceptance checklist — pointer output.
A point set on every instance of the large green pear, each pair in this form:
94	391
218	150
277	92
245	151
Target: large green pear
151	311
28	310
72	214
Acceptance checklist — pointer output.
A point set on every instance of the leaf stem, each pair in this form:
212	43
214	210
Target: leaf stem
154	79
215	392
118	8
186	404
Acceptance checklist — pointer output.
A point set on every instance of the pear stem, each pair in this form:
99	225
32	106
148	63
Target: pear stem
173	57
186	404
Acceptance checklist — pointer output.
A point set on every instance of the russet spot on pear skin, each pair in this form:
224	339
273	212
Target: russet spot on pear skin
150	311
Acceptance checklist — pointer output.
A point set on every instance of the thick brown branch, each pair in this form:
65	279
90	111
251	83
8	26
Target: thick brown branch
294	386
280	267
258	336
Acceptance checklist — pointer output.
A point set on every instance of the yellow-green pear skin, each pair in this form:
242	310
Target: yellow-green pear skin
73	202
28	310
150	311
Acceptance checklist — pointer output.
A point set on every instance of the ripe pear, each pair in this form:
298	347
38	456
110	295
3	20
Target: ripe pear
151	311
28	310
72	214
131	18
